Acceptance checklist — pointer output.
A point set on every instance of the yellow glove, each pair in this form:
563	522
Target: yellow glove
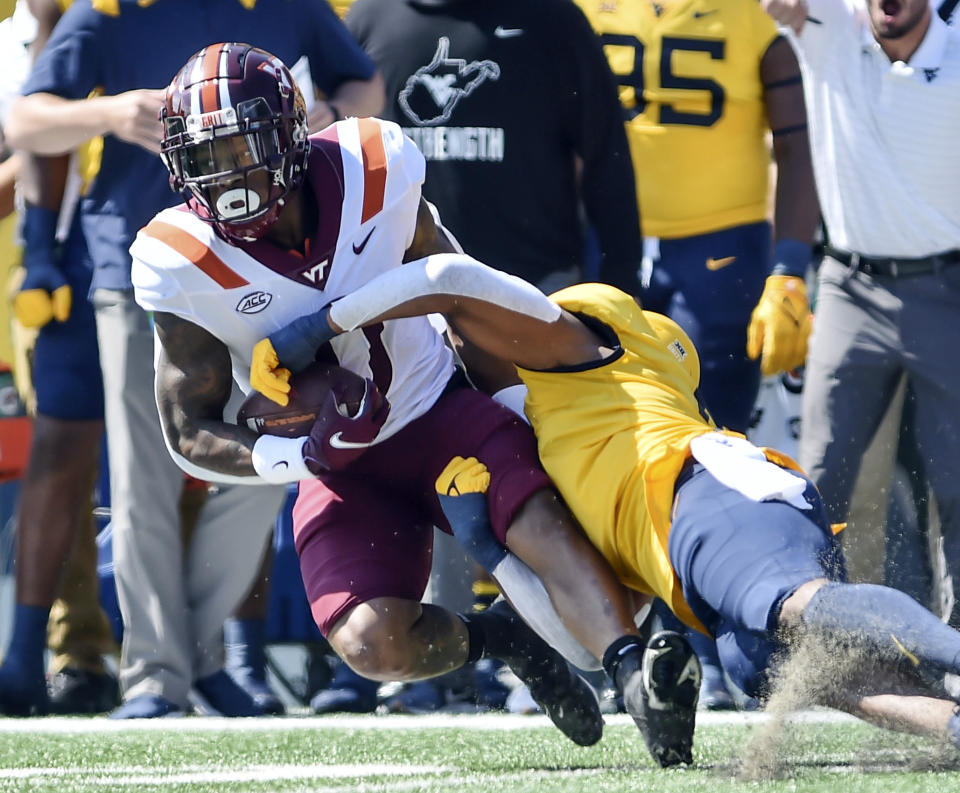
462	476
780	325
43	294
34	308
266	374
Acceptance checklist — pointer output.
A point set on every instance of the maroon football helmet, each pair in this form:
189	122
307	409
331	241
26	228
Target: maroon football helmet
234	137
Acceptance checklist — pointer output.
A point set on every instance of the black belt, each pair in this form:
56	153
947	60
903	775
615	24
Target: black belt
895	267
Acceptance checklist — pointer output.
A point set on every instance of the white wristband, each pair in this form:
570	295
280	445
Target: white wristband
280	460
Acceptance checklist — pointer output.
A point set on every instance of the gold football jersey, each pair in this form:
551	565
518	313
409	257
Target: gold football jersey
690	86
614	437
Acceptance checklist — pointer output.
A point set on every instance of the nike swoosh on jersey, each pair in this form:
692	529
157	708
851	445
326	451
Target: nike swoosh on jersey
701	14
358	249
506	33
337	442
719	264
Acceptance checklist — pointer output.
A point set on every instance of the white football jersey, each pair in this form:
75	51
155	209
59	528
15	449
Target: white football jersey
366	177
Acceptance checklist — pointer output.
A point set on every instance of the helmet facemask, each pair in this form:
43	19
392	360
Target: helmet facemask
236	165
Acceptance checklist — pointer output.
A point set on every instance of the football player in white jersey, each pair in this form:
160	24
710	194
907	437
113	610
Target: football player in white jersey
276	226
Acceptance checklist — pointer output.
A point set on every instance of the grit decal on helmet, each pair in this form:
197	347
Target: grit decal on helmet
234	137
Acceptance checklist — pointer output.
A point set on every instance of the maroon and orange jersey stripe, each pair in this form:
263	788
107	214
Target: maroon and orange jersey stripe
193	250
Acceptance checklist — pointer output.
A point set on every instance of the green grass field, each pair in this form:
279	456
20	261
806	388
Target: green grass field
456	753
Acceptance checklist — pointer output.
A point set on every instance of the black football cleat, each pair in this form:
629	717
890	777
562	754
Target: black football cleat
75	690
660	691
565	697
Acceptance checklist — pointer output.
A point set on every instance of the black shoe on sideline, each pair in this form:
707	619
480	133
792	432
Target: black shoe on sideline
73	690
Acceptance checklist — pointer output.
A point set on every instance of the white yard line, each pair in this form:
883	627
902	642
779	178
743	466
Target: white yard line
469	721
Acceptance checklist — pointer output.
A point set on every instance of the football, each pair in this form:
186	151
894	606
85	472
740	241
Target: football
309	390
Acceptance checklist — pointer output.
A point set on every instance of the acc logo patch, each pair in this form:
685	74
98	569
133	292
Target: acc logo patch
254	303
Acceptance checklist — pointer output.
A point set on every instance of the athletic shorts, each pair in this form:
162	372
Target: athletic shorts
367	531
739	560
65	370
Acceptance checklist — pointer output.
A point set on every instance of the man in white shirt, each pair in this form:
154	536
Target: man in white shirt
882	87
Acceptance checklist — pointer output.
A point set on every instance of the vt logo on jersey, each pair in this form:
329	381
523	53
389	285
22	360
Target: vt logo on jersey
254	303
431	92
316	274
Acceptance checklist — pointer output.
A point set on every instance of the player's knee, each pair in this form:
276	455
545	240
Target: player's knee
373	641
793	607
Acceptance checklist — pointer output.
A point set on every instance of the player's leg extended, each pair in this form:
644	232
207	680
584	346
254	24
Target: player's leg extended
737	560
766	572
888	630
527	517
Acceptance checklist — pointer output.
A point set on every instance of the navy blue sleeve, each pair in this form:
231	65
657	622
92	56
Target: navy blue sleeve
334	54
70	64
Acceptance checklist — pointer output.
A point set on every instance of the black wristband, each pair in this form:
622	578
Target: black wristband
475	637
614	654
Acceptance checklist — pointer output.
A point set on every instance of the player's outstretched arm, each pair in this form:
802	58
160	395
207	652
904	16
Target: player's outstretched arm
501	314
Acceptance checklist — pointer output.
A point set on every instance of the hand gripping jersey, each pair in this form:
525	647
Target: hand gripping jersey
689	77
614	437
366	178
